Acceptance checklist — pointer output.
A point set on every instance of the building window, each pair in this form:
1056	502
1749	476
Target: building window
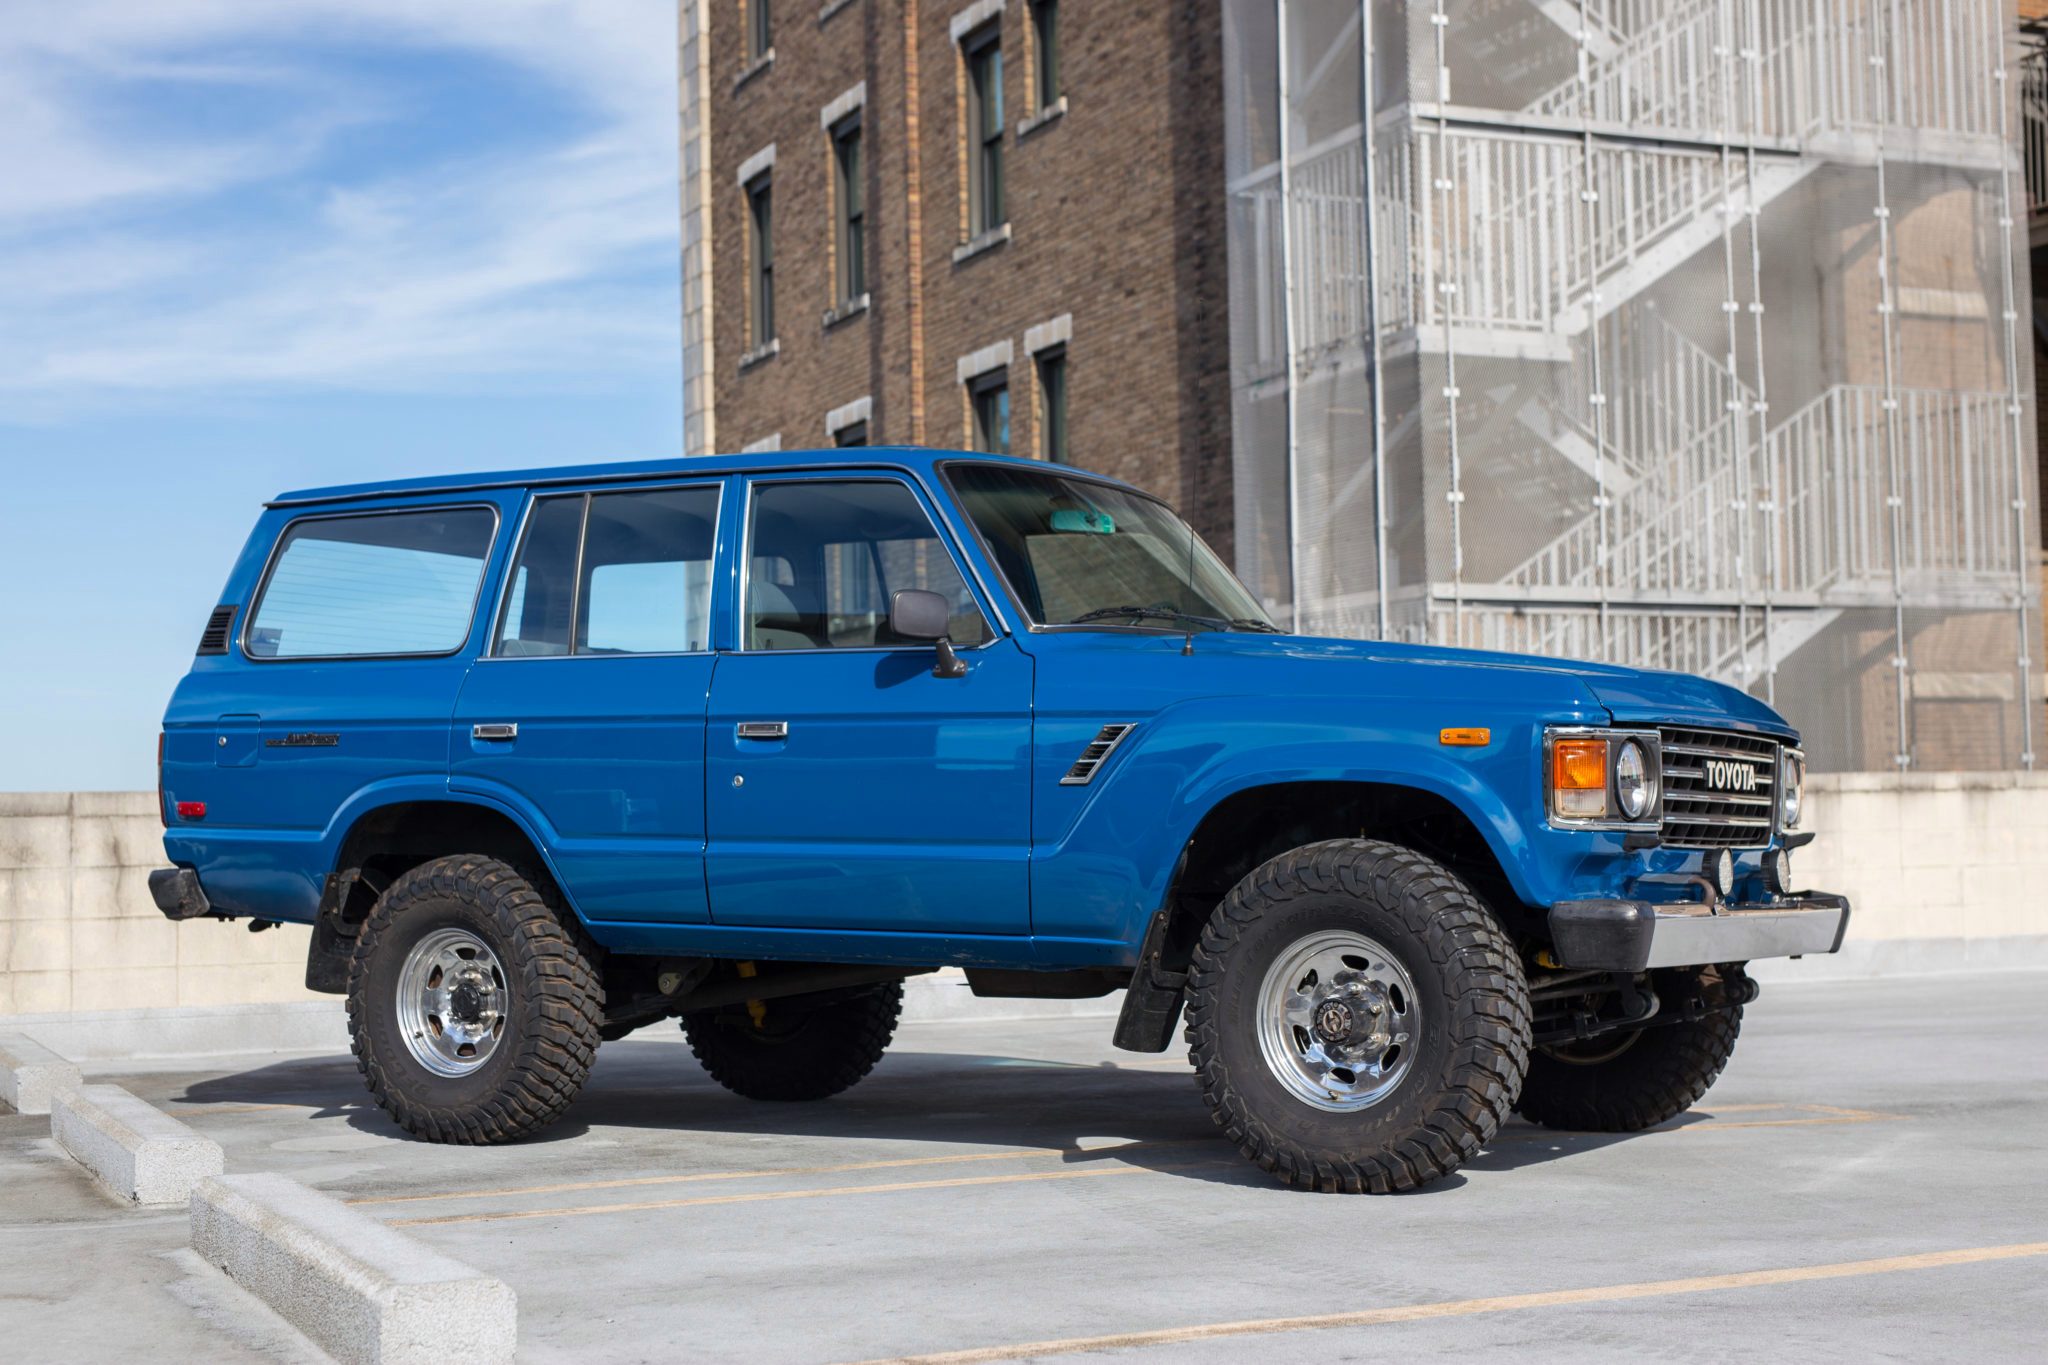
1045	51
853	434
989	396
851	253
761	245
759	35
984	53
1052	405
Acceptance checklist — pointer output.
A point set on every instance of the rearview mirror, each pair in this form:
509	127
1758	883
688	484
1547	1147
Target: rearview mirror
915	614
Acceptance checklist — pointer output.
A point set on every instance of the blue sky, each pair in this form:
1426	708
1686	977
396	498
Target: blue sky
247	245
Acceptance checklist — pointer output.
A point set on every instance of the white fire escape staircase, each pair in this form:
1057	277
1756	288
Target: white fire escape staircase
1718	539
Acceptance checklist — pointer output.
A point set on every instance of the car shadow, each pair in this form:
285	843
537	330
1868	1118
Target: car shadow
1148	1115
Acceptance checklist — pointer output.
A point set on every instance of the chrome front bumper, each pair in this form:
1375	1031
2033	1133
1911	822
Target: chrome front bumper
1632	936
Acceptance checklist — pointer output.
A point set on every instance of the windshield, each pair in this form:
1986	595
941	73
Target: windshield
1079	552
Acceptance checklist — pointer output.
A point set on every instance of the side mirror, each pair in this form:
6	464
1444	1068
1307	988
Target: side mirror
915	614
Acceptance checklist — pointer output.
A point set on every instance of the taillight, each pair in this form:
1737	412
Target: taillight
162	813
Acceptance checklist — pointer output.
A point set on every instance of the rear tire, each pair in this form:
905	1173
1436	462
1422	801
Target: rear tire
1626	1083
1358	1019
473	1004
800	1048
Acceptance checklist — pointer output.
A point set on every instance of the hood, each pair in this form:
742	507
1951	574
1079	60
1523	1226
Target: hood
1641	695
1637	695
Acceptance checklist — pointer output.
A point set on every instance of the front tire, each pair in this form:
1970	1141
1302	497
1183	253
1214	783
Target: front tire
473	1004
1628	1082
796	1047
1358	1018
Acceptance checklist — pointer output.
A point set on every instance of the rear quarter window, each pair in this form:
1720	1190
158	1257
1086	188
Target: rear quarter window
380	583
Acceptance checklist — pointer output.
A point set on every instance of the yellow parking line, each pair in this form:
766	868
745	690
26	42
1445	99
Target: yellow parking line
631	1182
1461	1308
761	1196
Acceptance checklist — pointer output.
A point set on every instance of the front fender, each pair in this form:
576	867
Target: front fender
1110	865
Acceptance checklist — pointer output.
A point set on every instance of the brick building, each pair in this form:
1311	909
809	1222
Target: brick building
1688	335
992	224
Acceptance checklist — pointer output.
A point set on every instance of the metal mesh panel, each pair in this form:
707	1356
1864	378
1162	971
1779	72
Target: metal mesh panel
1700	332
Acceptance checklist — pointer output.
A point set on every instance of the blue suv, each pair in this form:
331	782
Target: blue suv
546	757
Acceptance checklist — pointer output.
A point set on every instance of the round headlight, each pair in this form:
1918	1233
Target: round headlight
1635	788
1791	796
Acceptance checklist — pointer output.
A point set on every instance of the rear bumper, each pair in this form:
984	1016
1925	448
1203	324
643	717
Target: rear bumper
1631	936
176	892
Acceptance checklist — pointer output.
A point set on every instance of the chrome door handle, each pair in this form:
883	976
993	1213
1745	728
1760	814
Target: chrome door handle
494	732
762	729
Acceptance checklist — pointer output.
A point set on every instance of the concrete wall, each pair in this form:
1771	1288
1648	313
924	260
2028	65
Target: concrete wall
1947	872
79	933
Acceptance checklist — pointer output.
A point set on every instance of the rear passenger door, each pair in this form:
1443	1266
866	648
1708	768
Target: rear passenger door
587	713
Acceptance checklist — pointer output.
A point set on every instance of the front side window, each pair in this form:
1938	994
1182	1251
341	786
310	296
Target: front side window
852	252
386	583
613	573
825	559
984	54
989	397
1079	552
761	248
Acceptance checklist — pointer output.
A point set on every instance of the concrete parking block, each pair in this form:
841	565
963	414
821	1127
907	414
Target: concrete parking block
30	1074
358	1289
133	1148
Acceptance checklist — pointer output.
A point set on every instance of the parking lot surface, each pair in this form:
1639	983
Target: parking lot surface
1867	1181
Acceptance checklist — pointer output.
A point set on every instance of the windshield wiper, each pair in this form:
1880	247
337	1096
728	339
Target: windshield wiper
1169	614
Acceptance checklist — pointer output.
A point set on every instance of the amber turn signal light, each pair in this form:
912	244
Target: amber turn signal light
1578	778
1465	737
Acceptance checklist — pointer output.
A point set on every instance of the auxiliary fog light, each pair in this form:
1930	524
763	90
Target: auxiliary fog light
1721	869
1778	872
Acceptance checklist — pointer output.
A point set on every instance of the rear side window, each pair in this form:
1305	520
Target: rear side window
613	573
380	584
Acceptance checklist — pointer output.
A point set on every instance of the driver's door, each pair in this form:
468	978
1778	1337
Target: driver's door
849	788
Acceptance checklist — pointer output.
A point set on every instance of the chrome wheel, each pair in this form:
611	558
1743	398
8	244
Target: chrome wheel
1337	1013
452	1002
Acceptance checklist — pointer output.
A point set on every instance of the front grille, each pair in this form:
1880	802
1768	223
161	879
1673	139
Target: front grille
1720	788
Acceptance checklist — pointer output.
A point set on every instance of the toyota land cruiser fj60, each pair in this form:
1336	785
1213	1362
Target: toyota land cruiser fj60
546	757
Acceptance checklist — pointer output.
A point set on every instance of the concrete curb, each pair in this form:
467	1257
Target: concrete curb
134	1149
358	1289
30	1074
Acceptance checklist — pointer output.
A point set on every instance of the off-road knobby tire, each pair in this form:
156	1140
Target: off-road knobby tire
1662	1073
556	1003
1474	1014
826	1049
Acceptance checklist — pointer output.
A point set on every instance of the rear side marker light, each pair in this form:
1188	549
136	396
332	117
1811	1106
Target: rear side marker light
1578	778
191	810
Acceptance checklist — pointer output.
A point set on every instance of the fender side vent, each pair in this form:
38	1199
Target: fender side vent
214	639
1096	754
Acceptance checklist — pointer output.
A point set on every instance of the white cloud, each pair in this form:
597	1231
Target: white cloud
164	256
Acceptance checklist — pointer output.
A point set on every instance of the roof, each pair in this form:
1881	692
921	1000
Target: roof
915	459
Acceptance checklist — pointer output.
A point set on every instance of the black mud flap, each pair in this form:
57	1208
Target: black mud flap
1153	1000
